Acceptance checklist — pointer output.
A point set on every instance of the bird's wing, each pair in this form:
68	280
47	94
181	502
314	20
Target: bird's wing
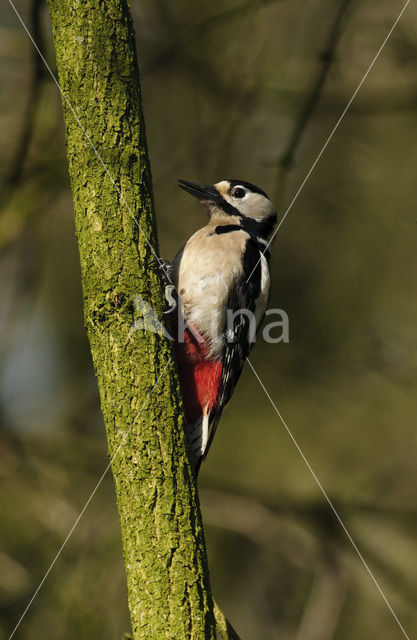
237	342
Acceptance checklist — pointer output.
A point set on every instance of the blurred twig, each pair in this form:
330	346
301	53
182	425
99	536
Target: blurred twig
375	101
15	219
262	522
394	576
322	612
327	58
14	173
190	34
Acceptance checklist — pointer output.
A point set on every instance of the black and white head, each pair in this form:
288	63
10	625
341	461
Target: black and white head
236	202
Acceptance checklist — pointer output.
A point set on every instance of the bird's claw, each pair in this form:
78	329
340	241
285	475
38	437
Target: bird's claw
169	289
166	268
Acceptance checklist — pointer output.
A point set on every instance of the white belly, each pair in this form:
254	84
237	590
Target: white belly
205	271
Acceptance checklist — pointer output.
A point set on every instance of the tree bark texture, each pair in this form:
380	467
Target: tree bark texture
163	542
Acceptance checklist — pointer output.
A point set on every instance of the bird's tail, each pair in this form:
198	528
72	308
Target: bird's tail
198	436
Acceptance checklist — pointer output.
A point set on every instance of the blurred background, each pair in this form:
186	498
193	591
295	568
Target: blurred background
250	90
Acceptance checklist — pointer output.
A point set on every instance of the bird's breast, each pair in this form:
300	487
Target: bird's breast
207	268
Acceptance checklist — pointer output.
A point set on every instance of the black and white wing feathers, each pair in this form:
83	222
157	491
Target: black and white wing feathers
237	337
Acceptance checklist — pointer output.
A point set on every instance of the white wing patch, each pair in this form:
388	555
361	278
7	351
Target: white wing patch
262	300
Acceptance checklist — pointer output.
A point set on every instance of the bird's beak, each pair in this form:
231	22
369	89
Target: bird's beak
203	192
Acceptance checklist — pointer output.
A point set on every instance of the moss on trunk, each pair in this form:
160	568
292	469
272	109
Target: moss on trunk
163	542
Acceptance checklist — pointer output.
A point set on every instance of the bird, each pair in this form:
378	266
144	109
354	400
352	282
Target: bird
221	280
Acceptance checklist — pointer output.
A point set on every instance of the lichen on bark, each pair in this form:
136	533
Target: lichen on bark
163	542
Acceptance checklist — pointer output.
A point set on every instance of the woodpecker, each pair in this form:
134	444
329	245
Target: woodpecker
222	282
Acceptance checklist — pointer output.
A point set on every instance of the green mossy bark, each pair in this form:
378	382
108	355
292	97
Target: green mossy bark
163	541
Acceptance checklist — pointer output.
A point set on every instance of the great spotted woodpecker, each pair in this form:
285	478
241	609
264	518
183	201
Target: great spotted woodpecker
221	277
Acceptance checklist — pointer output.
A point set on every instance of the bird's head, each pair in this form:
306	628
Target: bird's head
235	201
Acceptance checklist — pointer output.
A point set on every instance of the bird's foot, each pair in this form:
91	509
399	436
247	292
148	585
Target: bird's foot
169	296
167	273
166	270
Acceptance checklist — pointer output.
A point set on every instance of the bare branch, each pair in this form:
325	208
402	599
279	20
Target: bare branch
190	34
327	58
15	169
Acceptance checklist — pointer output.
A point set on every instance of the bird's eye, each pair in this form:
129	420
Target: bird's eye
239	192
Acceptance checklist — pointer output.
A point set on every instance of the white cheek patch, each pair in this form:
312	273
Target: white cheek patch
256	206
253	205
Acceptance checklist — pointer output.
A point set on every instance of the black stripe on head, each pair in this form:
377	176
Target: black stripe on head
227	207
248	185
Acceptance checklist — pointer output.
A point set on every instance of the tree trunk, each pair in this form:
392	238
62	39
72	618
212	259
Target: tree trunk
163	542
